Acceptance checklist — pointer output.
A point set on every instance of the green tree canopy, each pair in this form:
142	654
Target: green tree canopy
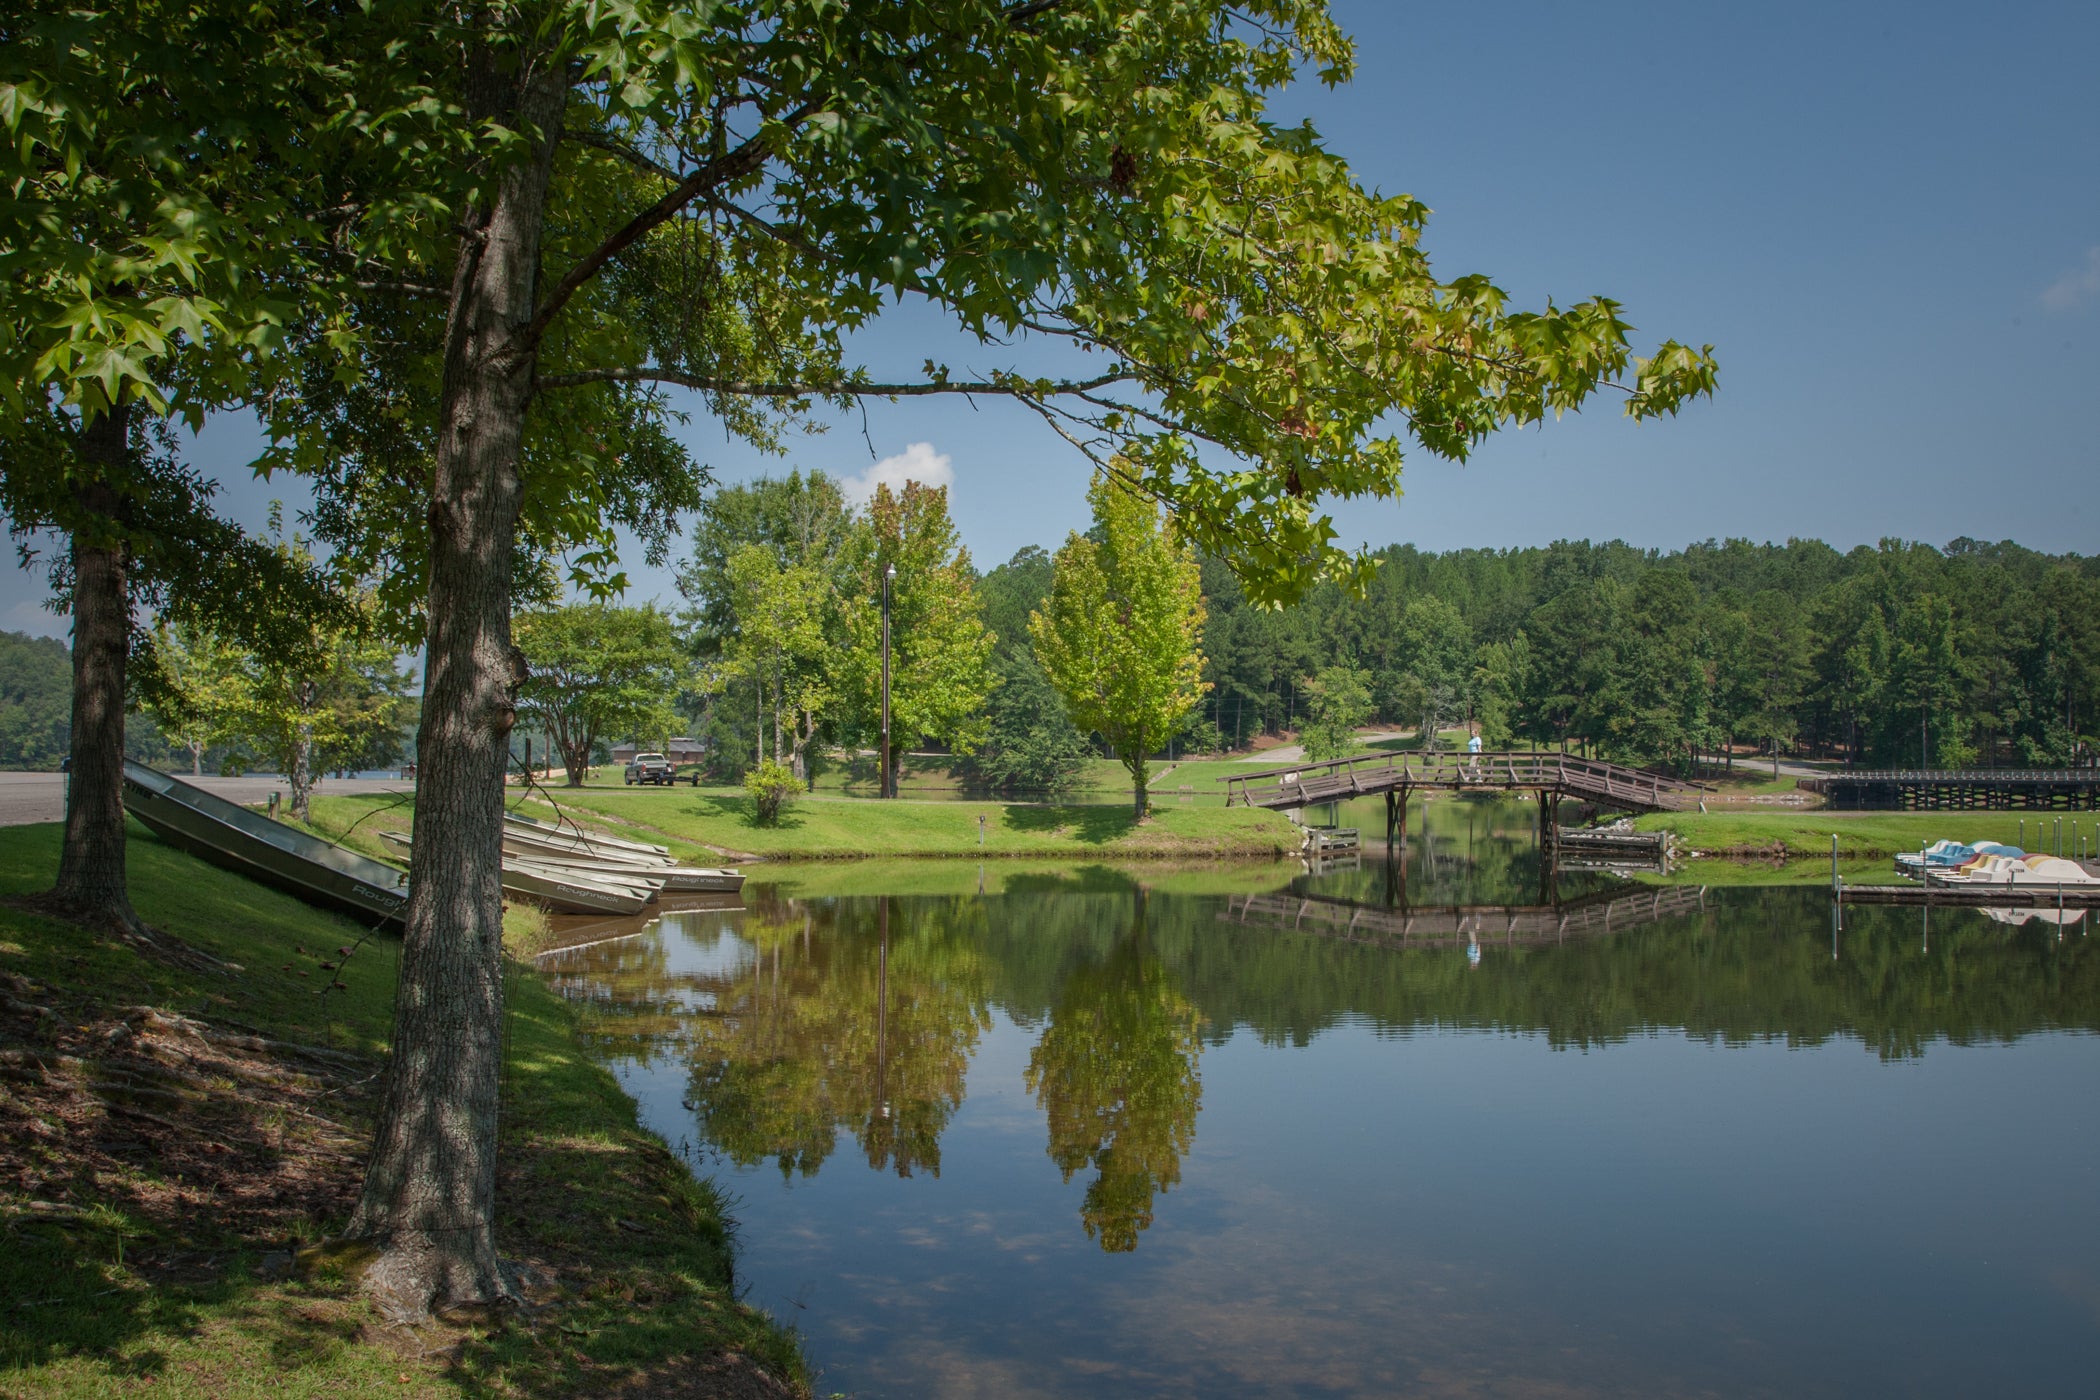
1340	701
1119	632
597	671
940	652
606	199
36	686
788	630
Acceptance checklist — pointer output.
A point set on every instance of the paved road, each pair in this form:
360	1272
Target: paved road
40	797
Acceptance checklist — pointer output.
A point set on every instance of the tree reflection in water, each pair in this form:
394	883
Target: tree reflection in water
839	1022
1115	1072
800	1020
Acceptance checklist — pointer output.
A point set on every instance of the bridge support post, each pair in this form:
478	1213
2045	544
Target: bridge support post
1549	832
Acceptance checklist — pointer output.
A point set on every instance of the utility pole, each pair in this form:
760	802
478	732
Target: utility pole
889	572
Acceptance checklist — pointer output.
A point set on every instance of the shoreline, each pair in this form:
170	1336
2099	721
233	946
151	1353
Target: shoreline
180	1144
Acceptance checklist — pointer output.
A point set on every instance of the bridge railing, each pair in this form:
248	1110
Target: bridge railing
2075	777
1308	783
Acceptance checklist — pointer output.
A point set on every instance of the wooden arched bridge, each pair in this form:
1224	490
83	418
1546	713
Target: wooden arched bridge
1550	774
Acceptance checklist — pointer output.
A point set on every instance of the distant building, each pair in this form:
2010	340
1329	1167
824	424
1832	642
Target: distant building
683	749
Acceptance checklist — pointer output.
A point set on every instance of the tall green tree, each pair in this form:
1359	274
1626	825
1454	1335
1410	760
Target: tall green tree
202	692
1340	699
1120	634
1030	744
786	644
597	671
169	169
1778	663
642	195
342	702
940	651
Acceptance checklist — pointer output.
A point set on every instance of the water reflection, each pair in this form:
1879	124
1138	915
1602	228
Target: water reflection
1115	1075
1264	1109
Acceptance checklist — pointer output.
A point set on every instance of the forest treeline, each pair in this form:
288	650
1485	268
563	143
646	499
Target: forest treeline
1898	653
1892	654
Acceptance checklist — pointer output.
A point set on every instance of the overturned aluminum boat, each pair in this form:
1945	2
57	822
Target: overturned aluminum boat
589	850
524	831
676	879
567	889
249	843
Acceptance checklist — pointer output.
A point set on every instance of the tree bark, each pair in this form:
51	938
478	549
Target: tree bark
301	778
428	1202
1140	796
91	884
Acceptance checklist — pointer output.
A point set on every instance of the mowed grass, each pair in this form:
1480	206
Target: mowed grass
698	822
140	1204
709	825
1862	834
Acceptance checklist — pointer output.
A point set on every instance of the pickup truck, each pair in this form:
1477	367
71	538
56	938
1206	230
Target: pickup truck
651	768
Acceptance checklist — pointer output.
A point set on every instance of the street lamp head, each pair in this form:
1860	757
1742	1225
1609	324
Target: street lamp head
889	571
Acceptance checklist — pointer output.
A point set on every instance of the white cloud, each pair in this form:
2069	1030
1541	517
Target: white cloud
2076	285
918	462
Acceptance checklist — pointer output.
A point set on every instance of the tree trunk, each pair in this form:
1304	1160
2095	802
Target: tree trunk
1140	797
576	756
428	1202
90	884
196	759
301	778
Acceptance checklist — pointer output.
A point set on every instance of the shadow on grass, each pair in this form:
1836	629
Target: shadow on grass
729	807
1094	826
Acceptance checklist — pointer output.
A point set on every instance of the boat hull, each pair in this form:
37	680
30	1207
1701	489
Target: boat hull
271	853
570	892
569	888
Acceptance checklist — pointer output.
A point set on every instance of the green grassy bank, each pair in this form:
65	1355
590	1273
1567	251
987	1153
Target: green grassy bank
709	824
170	1139
1860	834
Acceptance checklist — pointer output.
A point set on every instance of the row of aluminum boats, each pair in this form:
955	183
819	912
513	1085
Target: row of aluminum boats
1991	863
574	871
563	868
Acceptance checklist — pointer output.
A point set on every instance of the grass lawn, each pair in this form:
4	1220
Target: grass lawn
169	1138
1860	834
1749	780
712	824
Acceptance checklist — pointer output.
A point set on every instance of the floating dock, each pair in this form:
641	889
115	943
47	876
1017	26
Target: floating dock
1975	896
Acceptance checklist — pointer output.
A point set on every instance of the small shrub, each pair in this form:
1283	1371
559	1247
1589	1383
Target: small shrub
772	786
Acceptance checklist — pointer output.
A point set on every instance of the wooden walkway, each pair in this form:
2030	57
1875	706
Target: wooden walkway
1549	774
1458	925
1976	896
1960	790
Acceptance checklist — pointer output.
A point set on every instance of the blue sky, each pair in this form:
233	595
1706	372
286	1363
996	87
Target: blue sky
1885	218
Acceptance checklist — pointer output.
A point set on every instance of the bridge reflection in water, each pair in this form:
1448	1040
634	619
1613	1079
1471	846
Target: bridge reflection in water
1459	925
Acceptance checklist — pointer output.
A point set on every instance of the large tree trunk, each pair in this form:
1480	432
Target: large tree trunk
301	778
1141	797
90	884
429	1192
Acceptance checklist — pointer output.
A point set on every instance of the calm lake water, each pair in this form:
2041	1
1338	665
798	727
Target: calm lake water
1239	1133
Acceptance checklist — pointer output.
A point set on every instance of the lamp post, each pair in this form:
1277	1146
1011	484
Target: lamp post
889	572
